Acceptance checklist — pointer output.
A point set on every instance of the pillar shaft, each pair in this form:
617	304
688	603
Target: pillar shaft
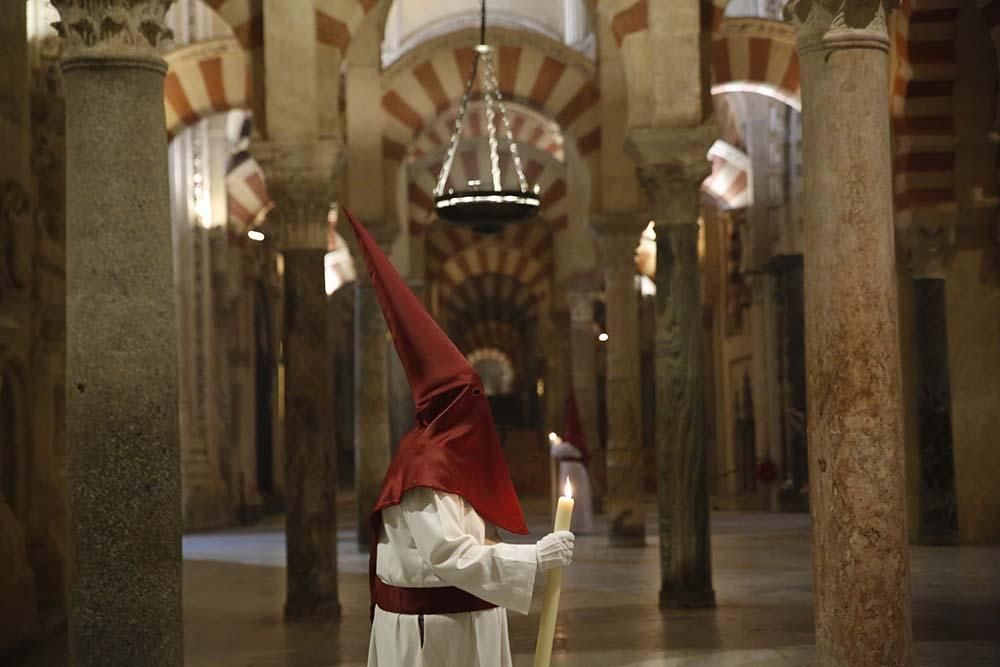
623	499
674	190
938	519
123	466
857	486
372	446
300	177
583	368
310	449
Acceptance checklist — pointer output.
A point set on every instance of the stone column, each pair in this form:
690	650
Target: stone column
582	342
857	482
124	472
618	240
674	190
930	247
300	179
372	433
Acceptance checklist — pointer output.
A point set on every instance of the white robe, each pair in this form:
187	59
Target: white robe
583	507
434	539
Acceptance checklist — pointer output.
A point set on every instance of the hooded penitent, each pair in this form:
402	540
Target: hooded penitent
573	431
454	446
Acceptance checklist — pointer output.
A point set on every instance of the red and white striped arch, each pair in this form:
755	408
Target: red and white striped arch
550	78
729	182
495	334
523	252
203	79
245	17
529	129
490	296
757	56
923	72
246	190
338	20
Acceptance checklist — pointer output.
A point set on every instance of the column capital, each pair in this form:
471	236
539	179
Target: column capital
929	245
672	164
300	179
839	24
618	236
113	28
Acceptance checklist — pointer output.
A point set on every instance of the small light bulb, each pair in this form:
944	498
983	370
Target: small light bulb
603	337
256	235
553	438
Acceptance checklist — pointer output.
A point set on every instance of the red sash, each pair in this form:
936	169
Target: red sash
441	600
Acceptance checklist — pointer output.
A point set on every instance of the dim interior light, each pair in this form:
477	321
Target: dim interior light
256	235
603	337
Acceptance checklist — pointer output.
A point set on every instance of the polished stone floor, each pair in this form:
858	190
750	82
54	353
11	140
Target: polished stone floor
234	587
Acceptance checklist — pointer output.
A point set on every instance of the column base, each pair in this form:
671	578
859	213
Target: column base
312	610
674	599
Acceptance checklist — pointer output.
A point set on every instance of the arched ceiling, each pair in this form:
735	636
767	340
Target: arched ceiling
529	129
203	79
412	22
522	252
489	297
545	76
757	56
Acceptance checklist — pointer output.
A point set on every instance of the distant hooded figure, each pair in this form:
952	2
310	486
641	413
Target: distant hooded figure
440	579
572	457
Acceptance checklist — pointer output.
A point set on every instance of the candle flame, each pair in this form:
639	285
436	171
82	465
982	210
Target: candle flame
568	489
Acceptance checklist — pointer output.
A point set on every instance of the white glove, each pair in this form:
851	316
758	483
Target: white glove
555	550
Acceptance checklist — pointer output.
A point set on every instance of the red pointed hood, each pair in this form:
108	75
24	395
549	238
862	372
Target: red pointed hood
454	446
432	362
573	431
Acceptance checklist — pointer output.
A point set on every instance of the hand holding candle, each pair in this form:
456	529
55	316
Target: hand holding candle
553	587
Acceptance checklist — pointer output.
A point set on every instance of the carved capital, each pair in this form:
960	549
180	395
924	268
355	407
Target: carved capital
674	191
671	164
300	180
929	246
113	28
618	236
839	24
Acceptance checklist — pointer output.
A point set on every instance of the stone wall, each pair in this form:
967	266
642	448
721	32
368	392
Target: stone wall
32	335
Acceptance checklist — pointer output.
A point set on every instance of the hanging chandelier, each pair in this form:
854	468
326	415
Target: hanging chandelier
484	205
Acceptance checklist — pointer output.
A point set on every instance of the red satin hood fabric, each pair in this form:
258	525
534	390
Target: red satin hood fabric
454	447
573	431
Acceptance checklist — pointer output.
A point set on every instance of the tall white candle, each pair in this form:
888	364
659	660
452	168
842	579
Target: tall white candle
553	586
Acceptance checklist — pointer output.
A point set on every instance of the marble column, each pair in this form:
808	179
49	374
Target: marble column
674	190
121	420
300	181
930	247
372	433
861	572
583	371
618	238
